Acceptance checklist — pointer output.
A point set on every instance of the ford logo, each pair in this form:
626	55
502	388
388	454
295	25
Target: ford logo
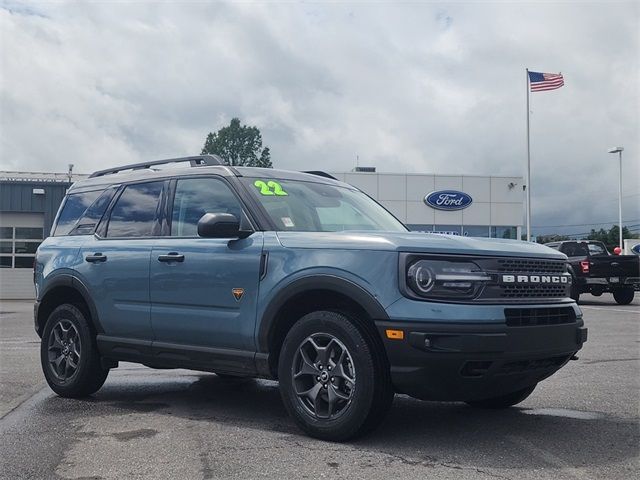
448	200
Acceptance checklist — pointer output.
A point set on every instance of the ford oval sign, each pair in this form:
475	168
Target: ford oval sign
448	200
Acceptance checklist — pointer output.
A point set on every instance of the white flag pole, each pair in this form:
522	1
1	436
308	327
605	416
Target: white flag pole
528	187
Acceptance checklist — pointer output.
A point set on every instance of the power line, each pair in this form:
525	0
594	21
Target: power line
612	222
584	234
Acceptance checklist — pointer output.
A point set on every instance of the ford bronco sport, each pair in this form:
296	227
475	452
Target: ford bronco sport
295	277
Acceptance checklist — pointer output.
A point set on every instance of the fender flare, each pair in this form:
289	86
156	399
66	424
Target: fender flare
73	282
316	282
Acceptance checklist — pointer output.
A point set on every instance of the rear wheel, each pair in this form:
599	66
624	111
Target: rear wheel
333	381
503	401
68	354
624	296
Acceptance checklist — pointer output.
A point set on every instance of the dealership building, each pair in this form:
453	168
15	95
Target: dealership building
493	206
468	205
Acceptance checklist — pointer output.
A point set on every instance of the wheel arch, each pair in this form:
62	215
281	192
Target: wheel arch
307	294
66	289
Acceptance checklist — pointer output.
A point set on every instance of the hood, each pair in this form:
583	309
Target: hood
416	242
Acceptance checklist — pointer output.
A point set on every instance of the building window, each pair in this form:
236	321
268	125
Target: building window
448	229
18	246
420	228
476	231
483	231
504	232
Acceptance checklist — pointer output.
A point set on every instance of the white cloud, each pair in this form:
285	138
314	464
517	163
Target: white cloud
407	87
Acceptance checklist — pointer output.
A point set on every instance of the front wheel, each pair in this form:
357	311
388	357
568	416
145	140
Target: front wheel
624	296
503	401
68	354
333	381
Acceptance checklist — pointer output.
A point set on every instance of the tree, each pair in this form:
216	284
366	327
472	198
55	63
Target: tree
611	237
238	145
551	238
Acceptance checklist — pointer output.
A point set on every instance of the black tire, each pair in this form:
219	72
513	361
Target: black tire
624	296
363	378
71	362
503	401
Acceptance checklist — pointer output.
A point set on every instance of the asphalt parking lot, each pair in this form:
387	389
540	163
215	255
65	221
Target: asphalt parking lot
581	423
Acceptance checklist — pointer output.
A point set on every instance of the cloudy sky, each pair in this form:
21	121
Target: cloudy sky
406	86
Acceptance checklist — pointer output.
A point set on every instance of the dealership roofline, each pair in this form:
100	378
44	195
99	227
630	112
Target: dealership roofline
427	174
59	177
38	177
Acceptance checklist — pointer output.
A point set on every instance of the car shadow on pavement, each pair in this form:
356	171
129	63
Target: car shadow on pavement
427	433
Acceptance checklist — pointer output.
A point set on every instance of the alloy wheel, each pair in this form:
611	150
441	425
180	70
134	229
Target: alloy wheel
64	350
324	377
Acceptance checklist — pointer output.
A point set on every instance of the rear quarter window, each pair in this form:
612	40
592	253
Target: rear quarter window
75	205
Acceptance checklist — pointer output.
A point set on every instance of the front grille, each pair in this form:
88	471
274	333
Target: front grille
533	317
525	366
533	291
521	265
516	292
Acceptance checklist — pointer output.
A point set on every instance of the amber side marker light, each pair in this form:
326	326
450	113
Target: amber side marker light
395	334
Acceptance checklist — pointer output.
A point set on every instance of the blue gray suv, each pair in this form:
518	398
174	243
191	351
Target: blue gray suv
295	277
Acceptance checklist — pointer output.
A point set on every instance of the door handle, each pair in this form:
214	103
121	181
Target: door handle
171	257
95	258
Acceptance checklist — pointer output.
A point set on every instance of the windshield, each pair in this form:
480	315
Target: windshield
299	206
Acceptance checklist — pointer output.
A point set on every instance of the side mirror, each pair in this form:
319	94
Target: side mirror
221	225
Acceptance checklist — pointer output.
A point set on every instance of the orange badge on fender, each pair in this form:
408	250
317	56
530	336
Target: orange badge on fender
237	293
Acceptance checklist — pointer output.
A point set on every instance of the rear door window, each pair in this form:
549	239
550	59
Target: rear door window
136	212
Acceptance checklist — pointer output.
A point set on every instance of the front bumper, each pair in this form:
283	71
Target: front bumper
474	361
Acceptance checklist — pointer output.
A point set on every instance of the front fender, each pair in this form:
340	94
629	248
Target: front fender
315	281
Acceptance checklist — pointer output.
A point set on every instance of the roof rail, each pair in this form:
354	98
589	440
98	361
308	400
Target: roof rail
196	161
320	173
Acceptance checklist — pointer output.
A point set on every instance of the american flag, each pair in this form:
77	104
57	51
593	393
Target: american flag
545	81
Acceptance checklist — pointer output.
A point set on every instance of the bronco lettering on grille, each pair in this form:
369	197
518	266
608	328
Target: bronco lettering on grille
558	279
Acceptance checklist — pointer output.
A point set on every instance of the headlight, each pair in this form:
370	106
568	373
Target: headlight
446	279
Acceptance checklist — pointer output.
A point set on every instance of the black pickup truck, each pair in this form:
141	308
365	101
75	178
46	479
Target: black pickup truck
596	271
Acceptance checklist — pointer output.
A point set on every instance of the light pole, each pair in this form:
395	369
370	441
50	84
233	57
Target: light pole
619	151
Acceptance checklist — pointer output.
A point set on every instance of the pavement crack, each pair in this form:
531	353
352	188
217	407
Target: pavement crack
607	360
434	463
